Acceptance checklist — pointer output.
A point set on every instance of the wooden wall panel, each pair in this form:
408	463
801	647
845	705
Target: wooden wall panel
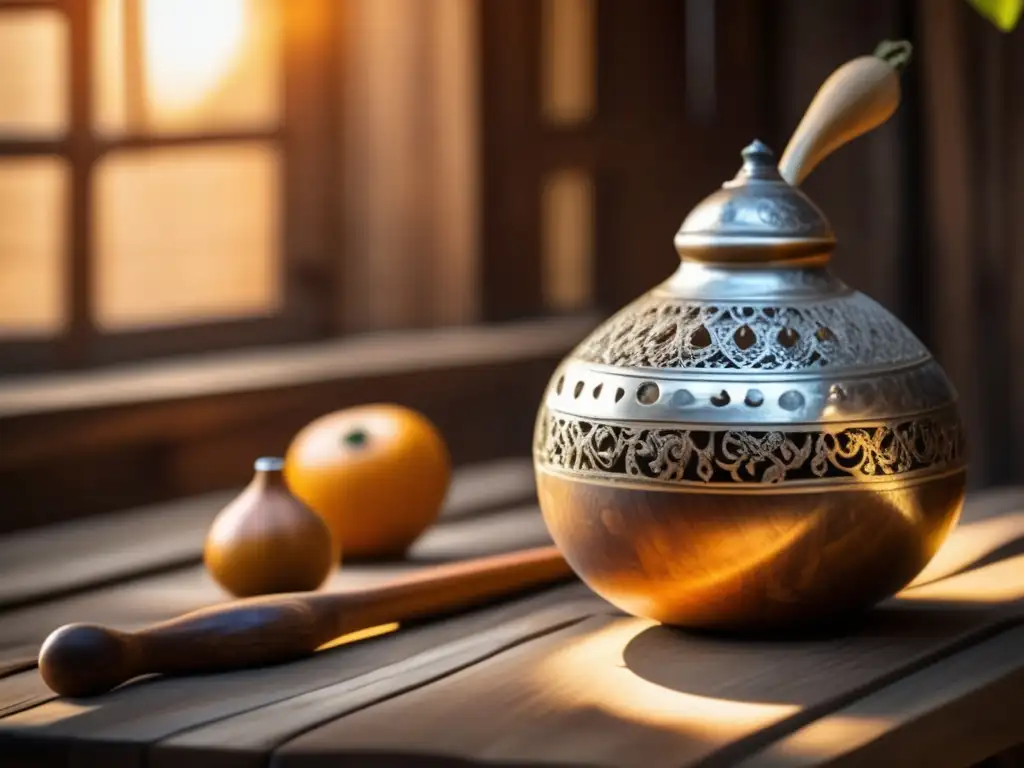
409	164
1014	265
971	143
509	88
650	156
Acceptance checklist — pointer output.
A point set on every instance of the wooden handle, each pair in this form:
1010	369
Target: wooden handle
86	659
858	97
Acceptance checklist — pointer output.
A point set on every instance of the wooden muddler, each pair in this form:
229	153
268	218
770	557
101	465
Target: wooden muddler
86	659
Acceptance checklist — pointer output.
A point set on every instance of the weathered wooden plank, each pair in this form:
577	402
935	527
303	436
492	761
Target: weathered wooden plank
116	729
973	602
995	588
128	605
43	563
246	739
23	691
953	713
61	559
625	692
991	528
18	660
83	555
154	598
510	529
500	484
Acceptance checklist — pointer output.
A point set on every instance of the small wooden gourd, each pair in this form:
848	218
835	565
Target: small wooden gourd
267	541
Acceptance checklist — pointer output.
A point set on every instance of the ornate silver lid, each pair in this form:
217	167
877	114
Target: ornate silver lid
756	218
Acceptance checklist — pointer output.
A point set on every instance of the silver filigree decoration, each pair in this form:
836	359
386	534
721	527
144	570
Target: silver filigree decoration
658	331
740	456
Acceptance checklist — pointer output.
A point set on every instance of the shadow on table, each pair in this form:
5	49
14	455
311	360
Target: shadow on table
928	620
796	671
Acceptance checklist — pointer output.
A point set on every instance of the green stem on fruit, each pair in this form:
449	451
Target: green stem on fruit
357	438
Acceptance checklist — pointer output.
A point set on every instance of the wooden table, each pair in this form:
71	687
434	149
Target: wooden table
556	677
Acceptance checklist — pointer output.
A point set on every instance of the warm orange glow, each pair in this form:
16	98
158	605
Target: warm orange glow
216	211
33	191
190	47
821	739
49	713
362	634
202	65
969	543
591	673
1000	582
738	557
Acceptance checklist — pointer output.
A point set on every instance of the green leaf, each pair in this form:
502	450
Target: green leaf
1003	13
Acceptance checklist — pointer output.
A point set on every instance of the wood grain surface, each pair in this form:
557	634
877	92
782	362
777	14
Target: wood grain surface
116	583
257	732
616	691
557	677
117	729
148	599
43	563
956	712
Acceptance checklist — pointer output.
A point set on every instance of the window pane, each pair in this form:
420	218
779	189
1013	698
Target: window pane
33	193
567	210
568	64
177	66
33	73
184	235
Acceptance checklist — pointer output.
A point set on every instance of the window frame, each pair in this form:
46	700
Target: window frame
307	139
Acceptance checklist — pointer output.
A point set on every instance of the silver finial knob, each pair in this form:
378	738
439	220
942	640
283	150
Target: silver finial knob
759	162
757	150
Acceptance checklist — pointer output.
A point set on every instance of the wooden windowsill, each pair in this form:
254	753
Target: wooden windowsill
253	370
91	443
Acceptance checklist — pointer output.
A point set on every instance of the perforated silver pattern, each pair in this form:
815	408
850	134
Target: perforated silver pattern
661	331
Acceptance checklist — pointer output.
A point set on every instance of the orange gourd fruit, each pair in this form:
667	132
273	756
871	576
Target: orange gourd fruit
377	474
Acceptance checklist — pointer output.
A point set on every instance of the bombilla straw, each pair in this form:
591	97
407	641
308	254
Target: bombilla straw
856	98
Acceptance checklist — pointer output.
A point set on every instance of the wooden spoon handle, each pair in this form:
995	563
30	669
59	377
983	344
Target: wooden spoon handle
858	97
86	659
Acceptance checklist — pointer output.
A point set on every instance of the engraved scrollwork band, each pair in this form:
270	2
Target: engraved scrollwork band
746	457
